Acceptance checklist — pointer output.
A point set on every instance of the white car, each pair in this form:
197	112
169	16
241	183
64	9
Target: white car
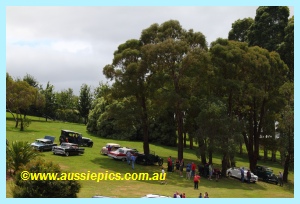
113	146
121	153
236	173
155	196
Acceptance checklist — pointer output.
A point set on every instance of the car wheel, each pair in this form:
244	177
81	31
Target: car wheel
67	154
123	159
41	150
91	145
160	162
229	174
54	152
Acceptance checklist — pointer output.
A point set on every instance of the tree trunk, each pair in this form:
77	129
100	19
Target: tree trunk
191	142
179	117
144	115
184	139
224	164
241	148
210	157
265	153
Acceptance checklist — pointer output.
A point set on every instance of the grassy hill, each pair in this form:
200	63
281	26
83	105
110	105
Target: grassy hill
92	161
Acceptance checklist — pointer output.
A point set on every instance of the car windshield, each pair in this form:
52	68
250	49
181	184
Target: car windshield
42	142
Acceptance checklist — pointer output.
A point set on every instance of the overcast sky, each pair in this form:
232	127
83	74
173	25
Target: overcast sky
69	46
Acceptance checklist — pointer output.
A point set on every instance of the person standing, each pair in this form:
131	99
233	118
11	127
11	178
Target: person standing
188	171
193	169
210	170
132	160
249	176
169	164
196	181
242	174
181	167
280	178
164	176
128	157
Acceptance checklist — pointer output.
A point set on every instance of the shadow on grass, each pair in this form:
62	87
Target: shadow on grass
173	179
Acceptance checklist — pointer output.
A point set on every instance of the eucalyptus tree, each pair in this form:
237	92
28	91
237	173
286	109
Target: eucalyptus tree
252	77
286	128
130	80
268	28
177	57
85	101
50	102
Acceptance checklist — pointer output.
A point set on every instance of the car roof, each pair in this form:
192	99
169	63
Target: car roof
112	144
70	131
52	138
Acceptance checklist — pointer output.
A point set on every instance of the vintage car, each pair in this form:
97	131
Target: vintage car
120	153
266	174
113	146
149	159
155	196
75	137
44	144
68	149
236	173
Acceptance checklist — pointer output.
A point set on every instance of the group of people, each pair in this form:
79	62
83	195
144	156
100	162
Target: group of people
205	195
243	175
177	195
130	159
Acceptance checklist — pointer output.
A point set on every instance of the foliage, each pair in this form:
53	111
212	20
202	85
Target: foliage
240	30
44	188
18	153
85	101
20	96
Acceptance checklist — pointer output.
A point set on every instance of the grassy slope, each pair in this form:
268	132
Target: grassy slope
94	162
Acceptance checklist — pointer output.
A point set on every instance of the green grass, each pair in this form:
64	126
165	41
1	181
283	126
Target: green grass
94	162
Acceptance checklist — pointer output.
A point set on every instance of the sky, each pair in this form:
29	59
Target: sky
69	46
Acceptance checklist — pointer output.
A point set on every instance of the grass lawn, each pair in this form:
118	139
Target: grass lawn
92	161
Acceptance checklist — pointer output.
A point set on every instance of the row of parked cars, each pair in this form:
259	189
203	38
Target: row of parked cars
261	172
71	143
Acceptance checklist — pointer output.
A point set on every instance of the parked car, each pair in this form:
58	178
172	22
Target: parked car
113	146
76	138
266	174
44	144
236	173
155	196
68	149
149	159
120	153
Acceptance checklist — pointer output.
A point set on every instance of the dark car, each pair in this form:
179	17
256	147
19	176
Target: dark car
44	144
75	137
266	174
68	149
149	159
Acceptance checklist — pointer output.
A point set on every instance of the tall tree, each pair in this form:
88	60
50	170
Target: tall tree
252	77
176	55
50	102
130	79
268	28
85	101
286	128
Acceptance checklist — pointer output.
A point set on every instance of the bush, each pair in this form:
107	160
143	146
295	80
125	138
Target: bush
44	188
